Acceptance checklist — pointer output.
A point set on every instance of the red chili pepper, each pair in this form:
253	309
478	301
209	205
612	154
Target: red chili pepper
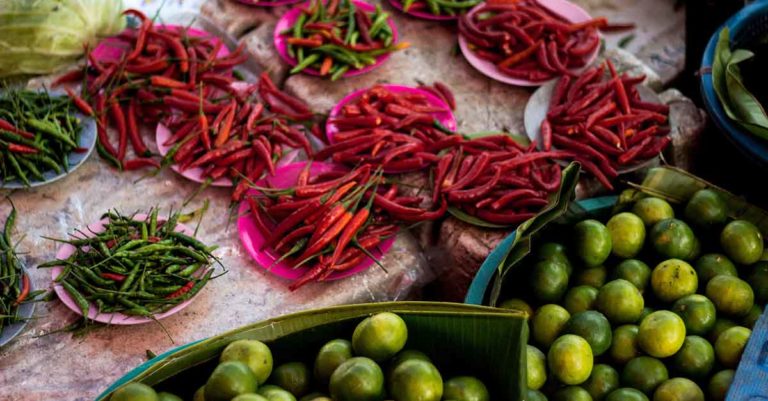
72	76
478	168
146	25
327	221
16	148
181	291
290	222
177	47
468	195
621	92
5	125
546	135
311	275
118	117
25	286
327	237
226	128
217	153
504	218
112	276
447	94
520	56
256	216
294	235
81	104
321	188
133	131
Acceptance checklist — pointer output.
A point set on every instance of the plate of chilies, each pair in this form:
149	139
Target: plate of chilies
398	127
30	151
253	239
586	114
67	250
276	3
529	42
323	48
433	9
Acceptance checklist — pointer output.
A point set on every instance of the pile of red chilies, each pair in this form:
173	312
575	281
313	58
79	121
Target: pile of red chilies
333	221
528	41
496	179
398	132
166	75
600	117
239	138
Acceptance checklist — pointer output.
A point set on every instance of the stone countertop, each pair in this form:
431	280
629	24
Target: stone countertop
56	366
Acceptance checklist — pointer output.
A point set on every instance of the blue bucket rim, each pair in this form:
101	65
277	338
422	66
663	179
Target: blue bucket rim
755	148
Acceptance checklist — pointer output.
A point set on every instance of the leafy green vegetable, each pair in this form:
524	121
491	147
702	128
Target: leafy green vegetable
739	103
43	36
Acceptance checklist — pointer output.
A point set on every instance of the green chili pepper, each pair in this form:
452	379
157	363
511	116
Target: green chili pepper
80	300
308	61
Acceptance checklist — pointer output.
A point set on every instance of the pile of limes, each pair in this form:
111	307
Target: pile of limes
343	371
645	306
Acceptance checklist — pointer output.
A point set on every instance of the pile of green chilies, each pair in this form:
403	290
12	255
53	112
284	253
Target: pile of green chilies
38	132
14	284
449	8
336	37
134	266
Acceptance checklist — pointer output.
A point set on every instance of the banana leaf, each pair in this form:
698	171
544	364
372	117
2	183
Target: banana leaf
461	340
672	184
514	248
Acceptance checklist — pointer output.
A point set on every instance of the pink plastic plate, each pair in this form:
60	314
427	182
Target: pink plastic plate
570	11
109	318
422	14
268	3
446	118
252	239
289	18
111	48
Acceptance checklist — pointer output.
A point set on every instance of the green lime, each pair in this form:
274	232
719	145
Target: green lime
759	281
275	393
593	276
570	359
624	344
253	353
661	334
580	298
730	345
465	388
731	295
714	264
627	234
380	336
416	380
135	392
549	280
229	380
626	394
719	384
721	325
357	379
742	242
620	301
199	394
635	271
536	367
698	313
706	209
695	359
673	238
592	326
571	393
556	252
602	381
678	389
750	320
518	305
406	355
673	279
248	397
592	242
646	311
173	397
330	356
533	395
653	210
547	324
292	377
315	397
644	373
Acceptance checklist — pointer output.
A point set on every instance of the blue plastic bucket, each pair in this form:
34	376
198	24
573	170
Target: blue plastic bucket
746	25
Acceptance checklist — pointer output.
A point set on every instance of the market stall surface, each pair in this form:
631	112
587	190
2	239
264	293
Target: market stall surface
44	364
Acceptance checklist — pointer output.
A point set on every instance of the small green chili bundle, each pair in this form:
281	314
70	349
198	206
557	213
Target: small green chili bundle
14	283
339	36
448	8
135	266
38	132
